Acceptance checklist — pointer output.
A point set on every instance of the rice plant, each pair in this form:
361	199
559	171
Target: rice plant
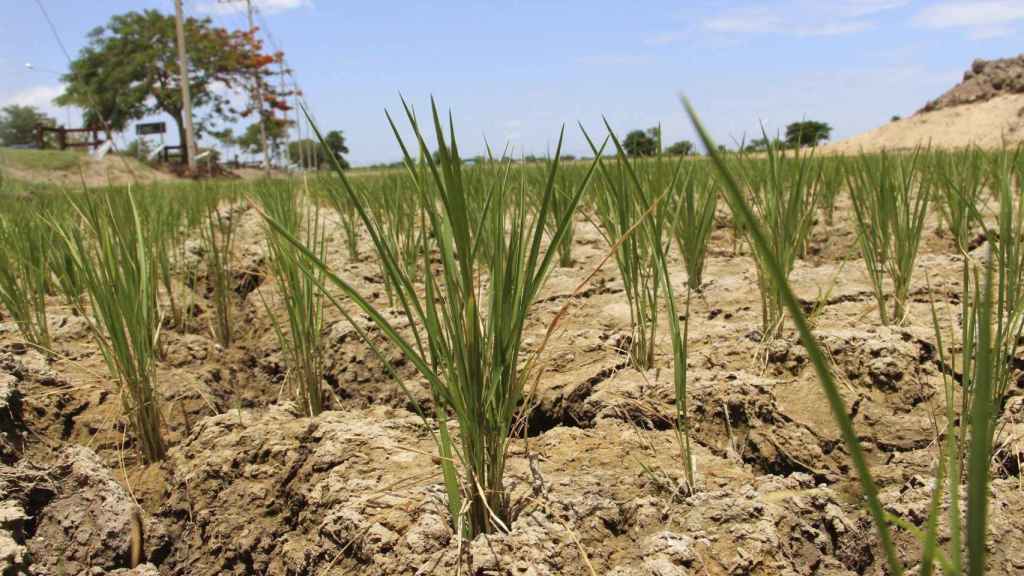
1006	256
962	177
302	338
680	348
110	253
565	185
978	447
694	220
890	200
218	236
467	320
782	192
634	215
830	185
25	240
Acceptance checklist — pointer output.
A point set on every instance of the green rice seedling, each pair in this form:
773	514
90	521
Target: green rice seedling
961	178
565	186
680	350
109	250
978	446
1007	257
467	320
25	241
218	241
694	220
634	216
890	200
298	291
830	185
562	207
398	209
782	192
165	216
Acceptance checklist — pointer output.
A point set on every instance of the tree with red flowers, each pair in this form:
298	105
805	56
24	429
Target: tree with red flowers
129	70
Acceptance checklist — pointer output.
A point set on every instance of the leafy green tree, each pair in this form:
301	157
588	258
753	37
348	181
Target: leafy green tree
681	148
277	133
129	70
18	124
807	133
309	152
642	143
335	141
761	144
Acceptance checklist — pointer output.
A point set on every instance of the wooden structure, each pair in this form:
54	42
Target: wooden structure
62	136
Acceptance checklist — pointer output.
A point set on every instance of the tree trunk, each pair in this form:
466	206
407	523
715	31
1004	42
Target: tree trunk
182	137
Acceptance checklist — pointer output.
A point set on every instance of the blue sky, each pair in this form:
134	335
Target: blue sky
515	71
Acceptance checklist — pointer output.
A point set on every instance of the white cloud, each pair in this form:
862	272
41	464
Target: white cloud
860	8
39	96
802	17
663	39
835	28
990	32
982	19
748	20
266	6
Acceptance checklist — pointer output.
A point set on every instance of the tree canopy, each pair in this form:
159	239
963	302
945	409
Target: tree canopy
681	148
807	133
18	124
641	142
129	70
277	131
312	152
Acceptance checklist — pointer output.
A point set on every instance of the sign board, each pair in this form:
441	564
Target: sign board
150	128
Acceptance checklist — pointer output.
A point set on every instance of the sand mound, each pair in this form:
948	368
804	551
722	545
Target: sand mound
986	124
986	109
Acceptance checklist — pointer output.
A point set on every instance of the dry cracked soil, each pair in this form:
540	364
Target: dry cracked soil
596	483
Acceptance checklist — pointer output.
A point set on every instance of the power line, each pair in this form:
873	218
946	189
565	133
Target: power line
99	115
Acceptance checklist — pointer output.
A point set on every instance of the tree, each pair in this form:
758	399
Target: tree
807	133
225	137
335	141
761	144
18	124
642	143
129	70
681	148
309	152
277	129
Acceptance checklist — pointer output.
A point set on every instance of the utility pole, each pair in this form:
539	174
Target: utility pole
284	111
298	128
257	90
259	97
189	145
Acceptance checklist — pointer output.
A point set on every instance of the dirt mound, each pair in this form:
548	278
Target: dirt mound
72	169
356	492
986	109
987	79
988	124
73	518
